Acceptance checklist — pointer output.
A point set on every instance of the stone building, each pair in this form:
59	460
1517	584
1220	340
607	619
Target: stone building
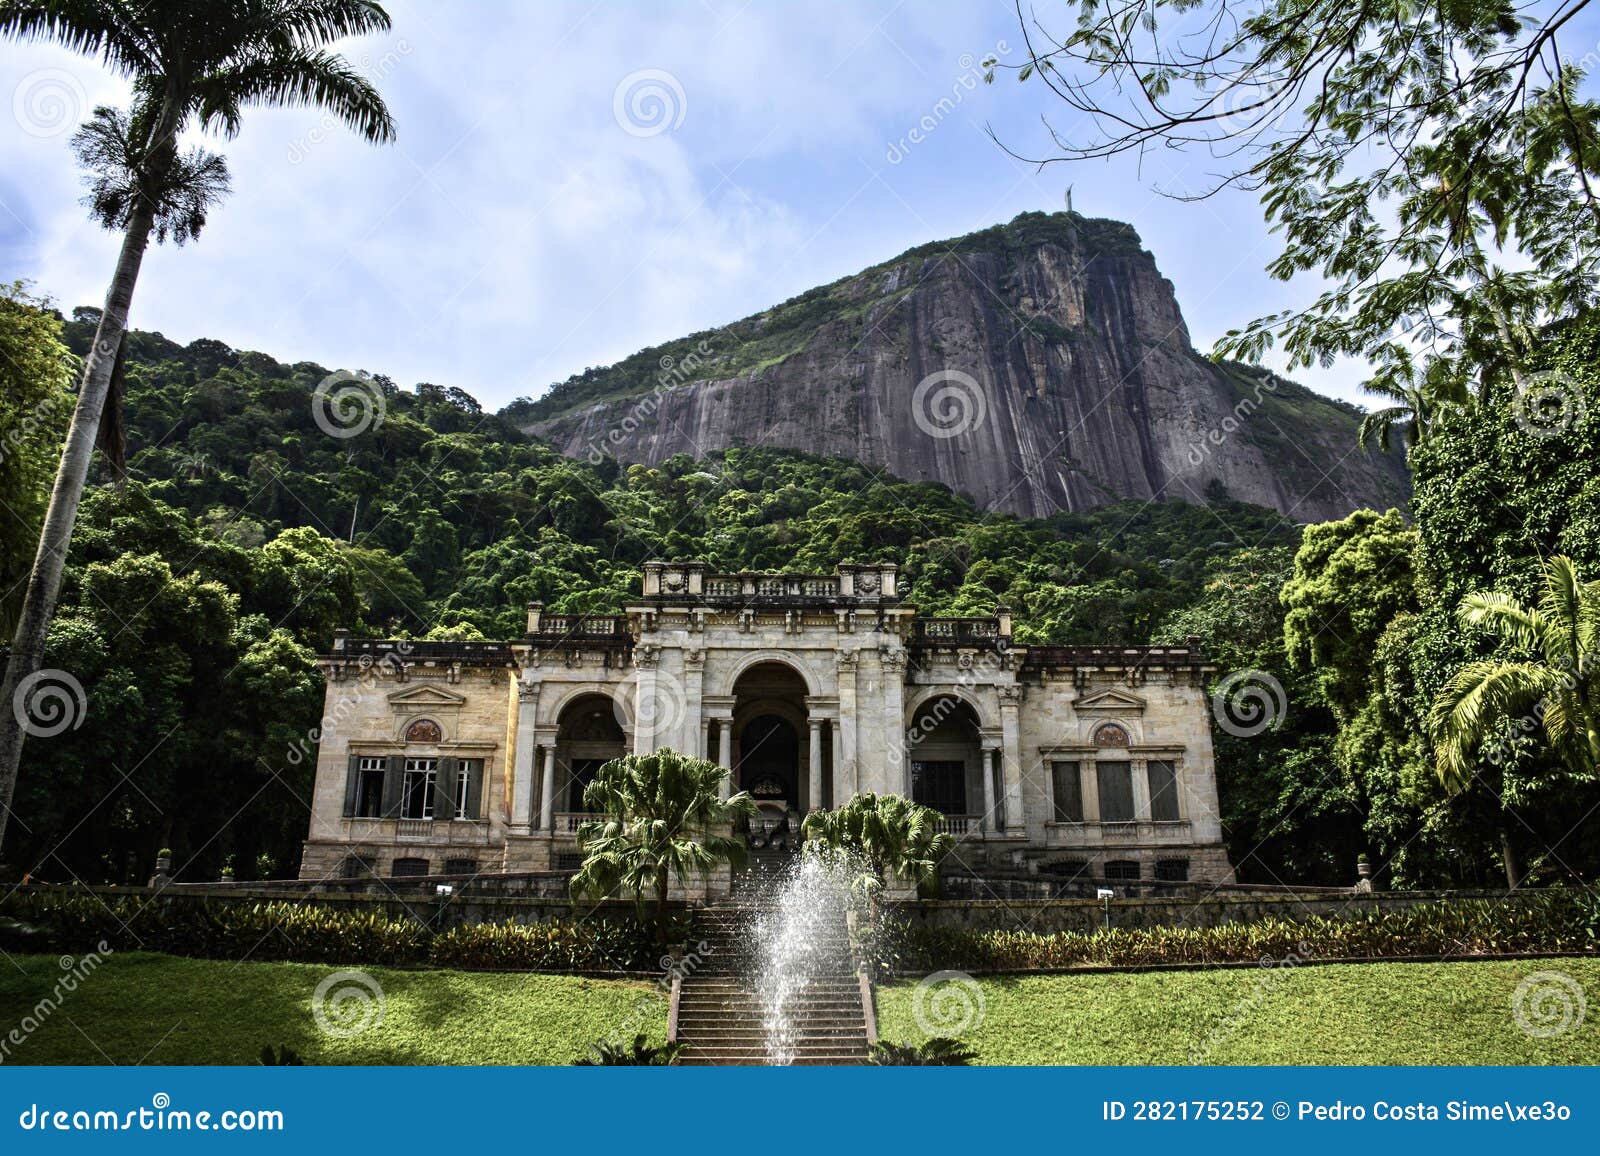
461	757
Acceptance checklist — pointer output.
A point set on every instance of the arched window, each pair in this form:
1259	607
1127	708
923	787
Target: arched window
1110	735
424	730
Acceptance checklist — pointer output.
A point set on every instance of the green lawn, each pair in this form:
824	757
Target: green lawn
160	1009
1379	1013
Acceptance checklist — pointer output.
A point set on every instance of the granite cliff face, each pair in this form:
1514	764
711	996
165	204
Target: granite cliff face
1037	366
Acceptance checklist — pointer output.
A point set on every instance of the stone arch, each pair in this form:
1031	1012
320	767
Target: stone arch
572	693
988	717
944	745
779	658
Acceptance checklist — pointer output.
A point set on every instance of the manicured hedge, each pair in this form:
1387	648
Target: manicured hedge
1552	921
309	932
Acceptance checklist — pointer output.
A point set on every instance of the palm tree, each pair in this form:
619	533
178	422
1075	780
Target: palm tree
1554	681
891	834
191	63
664	820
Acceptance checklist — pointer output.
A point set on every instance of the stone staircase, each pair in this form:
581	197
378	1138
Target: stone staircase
720	1014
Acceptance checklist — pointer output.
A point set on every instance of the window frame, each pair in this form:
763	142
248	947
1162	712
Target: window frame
430	780
1058	771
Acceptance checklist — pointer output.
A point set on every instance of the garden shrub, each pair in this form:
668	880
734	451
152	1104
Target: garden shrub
77	921
1558	920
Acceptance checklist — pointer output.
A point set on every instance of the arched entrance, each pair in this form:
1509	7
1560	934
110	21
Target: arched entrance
587	736
944	744
771	747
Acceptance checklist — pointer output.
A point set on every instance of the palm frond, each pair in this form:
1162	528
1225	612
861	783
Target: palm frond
293	77
109	31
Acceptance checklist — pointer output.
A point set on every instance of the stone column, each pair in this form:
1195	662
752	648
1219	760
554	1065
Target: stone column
814	725
897	775
694	666
720	723
1016	822
648	710
547	797
524	768
846	774
989	822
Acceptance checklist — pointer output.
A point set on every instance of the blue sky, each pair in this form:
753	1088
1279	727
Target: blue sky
528	224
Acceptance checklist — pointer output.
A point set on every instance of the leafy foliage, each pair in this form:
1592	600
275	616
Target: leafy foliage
938	1052
1555	920
639	1053
308	932
894	837
664	820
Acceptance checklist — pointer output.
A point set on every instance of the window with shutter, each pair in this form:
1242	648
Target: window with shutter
366	799
1163	791
1068	792
1116	792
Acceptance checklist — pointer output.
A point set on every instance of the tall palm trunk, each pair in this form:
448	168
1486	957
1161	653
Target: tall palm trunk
44	582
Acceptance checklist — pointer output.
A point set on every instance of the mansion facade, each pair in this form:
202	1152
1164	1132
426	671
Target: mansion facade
455	758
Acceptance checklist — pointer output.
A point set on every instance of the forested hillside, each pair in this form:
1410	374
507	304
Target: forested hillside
203	585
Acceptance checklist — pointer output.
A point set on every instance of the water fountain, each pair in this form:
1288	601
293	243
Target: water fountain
801	949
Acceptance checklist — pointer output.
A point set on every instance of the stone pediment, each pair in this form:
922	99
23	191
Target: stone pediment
425	698
1109	702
